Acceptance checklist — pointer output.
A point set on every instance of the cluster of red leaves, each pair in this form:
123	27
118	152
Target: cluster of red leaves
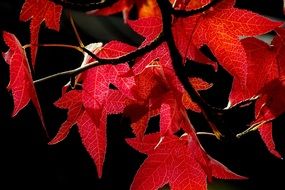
151	88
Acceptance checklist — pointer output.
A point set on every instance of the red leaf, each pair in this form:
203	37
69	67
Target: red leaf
148	89
39	11
92	130
198	84
115	49
220	29
116	102
173	161
183	35
94	138
145	145
149	28
71	101
268	85
261	59
266	134
21	82
96	81
89	107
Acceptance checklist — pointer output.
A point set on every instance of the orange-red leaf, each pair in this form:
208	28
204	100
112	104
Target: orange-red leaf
39	11
265	80
183	29
145	8
149	28
220	29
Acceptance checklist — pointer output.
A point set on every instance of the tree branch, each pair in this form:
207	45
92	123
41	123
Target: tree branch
112	61
130	56
85	6
185	13
177	62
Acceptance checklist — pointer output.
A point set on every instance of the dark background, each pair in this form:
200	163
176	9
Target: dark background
26	161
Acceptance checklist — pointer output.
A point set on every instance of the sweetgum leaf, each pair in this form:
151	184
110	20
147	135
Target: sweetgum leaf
220	28
175	161
21	82
39	11
92	130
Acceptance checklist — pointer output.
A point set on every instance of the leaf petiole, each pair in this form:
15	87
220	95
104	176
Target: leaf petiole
253	127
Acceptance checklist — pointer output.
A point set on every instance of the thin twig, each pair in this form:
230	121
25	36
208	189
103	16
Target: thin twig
70	73
99	61
206	133
130	56
54	45
75	29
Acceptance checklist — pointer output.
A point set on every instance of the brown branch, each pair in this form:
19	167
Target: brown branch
130	56
112	61
177	61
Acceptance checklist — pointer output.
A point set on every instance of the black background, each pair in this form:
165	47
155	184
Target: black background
26	161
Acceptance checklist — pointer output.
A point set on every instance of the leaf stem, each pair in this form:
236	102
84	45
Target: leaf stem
205	133
70	73
253	127
75	29
54	45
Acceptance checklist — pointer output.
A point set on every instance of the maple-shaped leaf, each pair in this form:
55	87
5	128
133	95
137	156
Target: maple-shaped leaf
172	160
145	8
264	80
157	57
261	59
149	28
157	95
21	82
72	101
89	107
92	130
39	11
94	137
220	28
183	33
97	81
